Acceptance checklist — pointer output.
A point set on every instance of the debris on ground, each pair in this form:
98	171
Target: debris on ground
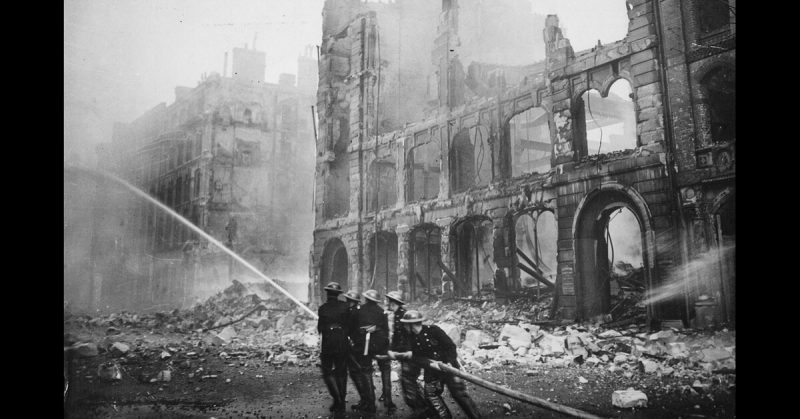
518	336
628	398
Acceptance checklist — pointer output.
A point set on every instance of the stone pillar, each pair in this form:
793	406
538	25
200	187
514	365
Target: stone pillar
403	258
444	245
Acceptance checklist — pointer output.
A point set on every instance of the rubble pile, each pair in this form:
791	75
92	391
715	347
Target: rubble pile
224	307
245	318
250	321
489	316
491	336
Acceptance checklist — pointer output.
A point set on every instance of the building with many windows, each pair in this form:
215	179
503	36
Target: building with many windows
234	156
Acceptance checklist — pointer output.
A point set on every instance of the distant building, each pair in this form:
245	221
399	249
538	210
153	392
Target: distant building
235	156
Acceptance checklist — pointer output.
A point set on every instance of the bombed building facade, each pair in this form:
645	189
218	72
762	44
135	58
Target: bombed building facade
440	158
222	155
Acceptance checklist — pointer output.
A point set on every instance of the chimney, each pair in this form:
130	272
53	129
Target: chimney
225	66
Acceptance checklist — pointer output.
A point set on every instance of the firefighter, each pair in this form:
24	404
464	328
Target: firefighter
333	326
399	342
433	343
371	337
353	299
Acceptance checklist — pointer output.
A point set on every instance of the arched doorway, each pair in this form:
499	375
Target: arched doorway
383	267
473	255
603	274
333	266
425	275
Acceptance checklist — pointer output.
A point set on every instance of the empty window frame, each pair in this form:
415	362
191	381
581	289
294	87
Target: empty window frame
529	136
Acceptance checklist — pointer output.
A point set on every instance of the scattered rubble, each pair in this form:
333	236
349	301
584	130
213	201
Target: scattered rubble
488	335
629	398
109	371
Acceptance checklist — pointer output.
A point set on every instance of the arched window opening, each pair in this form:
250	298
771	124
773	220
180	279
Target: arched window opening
474	257
197	183
536	239
425	273
720	89
198	145
381	189
188	149
178	191
333	266
470	159
424	164
529	134
187	188
181	155
383	268
608	124
248	116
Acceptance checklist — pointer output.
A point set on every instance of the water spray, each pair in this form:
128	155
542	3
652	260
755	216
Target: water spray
196	229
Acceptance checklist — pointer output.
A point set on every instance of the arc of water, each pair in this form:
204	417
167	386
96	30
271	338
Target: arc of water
202	233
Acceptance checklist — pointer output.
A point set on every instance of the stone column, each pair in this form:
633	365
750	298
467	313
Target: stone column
403	248
444	252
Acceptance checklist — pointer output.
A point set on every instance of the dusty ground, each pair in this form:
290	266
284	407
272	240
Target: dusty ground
220	382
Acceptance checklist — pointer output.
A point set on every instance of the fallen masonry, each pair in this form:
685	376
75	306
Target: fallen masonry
489	337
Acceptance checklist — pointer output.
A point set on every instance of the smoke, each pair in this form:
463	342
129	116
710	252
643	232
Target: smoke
625	244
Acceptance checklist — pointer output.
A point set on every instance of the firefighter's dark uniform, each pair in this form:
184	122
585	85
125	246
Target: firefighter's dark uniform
433	343
369	314
409	372
353	368
333	326
385	365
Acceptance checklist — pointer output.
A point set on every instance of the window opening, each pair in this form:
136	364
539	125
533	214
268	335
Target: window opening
425	274
609	123
529	134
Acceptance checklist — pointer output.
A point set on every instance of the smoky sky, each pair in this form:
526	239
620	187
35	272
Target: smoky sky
123	57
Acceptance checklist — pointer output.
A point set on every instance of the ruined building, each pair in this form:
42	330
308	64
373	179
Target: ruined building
224	155
447	142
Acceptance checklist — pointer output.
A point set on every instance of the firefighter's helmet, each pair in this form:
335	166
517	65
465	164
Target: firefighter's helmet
333	287
412	316
395	296
352	295
372	295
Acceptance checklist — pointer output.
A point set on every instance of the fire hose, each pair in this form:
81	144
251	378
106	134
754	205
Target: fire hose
440	366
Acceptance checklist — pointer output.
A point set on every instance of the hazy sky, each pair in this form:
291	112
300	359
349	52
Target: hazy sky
123	57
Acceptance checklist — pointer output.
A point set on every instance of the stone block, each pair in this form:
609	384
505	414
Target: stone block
629	398
119	349
551	344
86	350
474	338
516	336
